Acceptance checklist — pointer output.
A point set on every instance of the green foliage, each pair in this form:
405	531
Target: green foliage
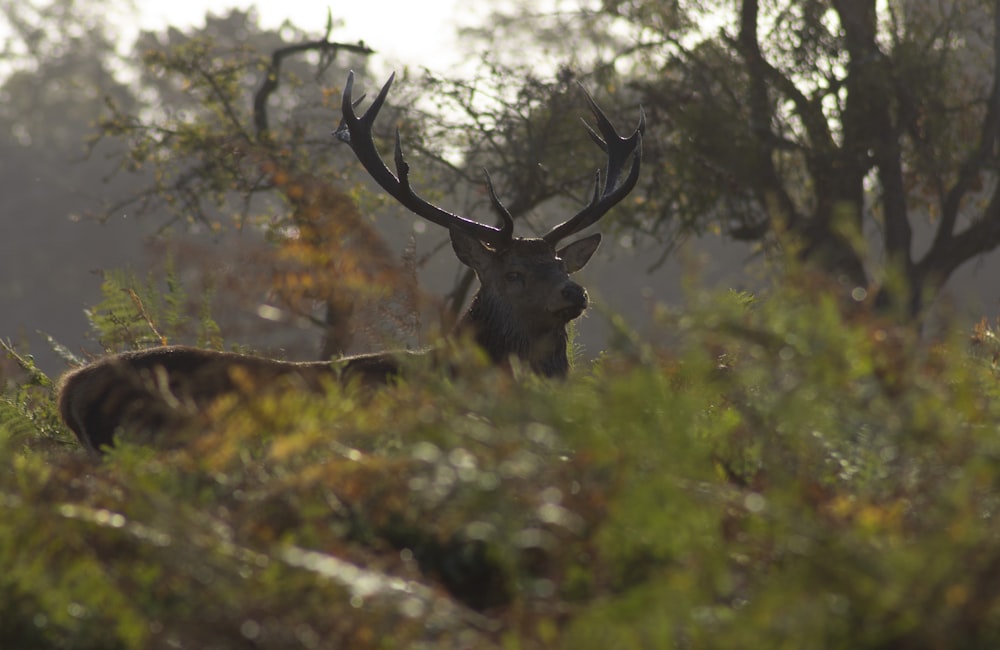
134	314
796	476
206	146
28	416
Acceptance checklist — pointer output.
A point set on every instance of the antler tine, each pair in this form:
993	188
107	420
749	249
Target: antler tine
357	131
617	149
507	221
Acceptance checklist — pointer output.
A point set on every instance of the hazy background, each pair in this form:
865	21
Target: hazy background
52	251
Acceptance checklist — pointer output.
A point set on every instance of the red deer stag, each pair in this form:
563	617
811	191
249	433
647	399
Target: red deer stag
525	300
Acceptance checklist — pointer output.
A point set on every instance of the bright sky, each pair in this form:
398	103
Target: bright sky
403	32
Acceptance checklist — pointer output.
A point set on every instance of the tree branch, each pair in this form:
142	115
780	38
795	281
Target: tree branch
761	113
950	253
871	135
972	167
271	78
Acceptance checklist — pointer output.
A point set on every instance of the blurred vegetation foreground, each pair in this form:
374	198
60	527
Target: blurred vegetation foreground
797	475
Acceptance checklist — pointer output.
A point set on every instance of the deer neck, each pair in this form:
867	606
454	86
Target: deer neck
495	329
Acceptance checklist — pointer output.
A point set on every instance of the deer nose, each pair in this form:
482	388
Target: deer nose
575	294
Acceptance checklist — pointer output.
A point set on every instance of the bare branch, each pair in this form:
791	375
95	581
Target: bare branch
273	74
985	151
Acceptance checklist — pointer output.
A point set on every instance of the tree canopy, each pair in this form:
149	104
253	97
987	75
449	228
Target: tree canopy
860	135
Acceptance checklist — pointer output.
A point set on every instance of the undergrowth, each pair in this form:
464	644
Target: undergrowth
788	476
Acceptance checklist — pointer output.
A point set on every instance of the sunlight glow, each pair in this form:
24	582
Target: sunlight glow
402	33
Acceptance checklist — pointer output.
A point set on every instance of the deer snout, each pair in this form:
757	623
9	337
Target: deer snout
575	294
573	301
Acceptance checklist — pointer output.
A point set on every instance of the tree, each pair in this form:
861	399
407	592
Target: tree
809	126
216	157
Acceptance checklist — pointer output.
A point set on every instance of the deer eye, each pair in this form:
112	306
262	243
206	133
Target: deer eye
514	276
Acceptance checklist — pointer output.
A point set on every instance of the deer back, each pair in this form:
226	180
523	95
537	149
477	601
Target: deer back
150	391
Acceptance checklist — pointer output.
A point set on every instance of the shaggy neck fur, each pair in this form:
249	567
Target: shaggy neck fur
495	329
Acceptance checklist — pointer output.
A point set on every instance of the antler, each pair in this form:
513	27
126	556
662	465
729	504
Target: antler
618	150
357	131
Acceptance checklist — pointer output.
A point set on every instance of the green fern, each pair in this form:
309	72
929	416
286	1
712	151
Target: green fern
136	314
122	319
209	334
28	412
15	424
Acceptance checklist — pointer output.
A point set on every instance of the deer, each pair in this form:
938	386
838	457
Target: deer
525	300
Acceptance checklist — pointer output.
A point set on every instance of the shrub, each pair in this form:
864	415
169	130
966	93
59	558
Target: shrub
795	474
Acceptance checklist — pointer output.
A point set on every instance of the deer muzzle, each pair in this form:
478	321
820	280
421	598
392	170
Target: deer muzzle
573	302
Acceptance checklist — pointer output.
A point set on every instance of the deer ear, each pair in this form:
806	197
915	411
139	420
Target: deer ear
470	250
577	254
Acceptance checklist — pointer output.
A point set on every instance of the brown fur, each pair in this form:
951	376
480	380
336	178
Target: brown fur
149	391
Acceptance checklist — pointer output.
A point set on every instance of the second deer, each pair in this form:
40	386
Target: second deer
525	300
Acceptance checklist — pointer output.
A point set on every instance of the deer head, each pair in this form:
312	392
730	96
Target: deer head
526	296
